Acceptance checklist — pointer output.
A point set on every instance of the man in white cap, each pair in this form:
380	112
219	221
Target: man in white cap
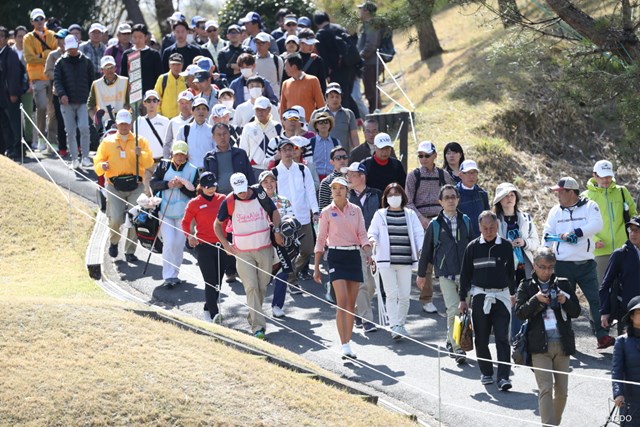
268	65
423	188
253	25
251	242
38	44
198	133
215	44
185	105
169	85
473	198
257	134
382	169
313	64
122	161
153	127
345	125
290	23
109	93
221	114
616	207
73	77
570	229
94	48
124	42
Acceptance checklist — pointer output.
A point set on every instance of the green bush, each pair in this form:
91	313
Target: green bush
233	11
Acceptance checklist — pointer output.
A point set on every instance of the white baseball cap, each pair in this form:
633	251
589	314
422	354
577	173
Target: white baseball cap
70	42
309	41
198	102
123	116
262	102
263	37
96	26
239	183
191	70
219	110
37	13
292	38
148	94
107	60
603	168
382	140
426	147
468	165
185	94
210	23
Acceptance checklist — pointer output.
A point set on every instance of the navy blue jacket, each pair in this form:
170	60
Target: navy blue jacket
626	367
73	76
238	158
472	203
624	266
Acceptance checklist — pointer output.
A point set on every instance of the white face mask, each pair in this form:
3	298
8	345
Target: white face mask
189	38
246	72
255	92
394	201
228	103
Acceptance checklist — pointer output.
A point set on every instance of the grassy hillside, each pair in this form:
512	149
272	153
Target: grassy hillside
503	95
72	356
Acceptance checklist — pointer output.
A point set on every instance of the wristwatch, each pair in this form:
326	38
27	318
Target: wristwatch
276	230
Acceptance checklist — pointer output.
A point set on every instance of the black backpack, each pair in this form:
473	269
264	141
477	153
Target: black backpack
387	50
346	45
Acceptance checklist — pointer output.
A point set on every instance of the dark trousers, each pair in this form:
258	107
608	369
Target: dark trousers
62	133
230	267
212	261
280	289
10	128
369	80
498	319
345	78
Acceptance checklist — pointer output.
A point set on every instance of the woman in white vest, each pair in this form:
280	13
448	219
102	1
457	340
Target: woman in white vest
397	236
176	181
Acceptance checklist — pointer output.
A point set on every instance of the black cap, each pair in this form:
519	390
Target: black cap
285	141
208	179
176	57
634	221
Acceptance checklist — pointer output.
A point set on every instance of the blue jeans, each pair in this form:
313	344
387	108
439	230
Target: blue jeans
76	117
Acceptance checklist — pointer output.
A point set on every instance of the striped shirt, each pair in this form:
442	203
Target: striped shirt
400	245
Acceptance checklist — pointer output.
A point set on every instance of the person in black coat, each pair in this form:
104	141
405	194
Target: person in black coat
188	50
626	367
550	338
149	58
11	73
621	277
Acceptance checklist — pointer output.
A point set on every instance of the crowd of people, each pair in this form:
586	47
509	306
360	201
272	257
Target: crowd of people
252	145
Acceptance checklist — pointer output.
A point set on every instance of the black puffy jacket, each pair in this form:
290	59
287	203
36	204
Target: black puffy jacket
529	308
72	77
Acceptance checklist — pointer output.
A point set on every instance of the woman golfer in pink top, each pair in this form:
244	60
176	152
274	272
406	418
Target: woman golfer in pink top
341	229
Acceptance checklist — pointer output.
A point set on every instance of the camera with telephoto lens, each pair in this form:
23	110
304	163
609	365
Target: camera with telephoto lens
552	293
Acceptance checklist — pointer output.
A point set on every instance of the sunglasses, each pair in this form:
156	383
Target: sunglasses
39	19
425	156
293	119
153	100
291	24
341	157
212	30
323	122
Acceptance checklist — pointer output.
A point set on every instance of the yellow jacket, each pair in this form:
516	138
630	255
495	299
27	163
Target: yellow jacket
110	150
169	96
36	55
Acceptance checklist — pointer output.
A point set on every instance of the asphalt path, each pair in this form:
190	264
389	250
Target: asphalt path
429	385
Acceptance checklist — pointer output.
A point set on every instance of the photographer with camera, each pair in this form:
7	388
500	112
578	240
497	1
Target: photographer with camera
548	303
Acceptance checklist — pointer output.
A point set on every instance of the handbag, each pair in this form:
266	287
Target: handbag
466	337
520	347
457	329
125	182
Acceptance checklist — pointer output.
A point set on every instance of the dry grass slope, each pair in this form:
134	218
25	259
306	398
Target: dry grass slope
71	356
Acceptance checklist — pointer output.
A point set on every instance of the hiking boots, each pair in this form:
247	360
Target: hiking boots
113	251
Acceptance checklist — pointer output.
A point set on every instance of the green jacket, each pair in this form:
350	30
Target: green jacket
611	203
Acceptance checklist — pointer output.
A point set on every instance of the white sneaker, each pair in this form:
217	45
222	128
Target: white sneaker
347	353
430	308
277	311
86	162
207	316
75	164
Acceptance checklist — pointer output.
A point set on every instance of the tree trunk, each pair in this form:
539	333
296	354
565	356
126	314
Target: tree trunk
428	43
133	11
164	9
509	13
623	44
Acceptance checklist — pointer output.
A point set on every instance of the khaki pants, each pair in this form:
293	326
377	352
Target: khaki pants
116	211
255	281
366	292
450	290
552	393
602	262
